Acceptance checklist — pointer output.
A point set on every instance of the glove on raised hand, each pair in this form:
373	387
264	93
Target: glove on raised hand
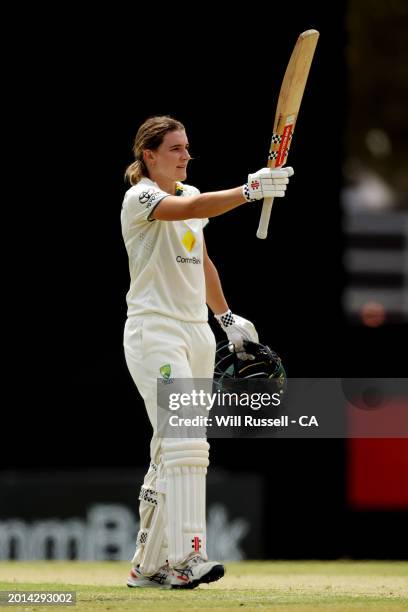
238	329
267	183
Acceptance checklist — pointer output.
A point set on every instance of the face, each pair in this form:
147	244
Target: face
169	161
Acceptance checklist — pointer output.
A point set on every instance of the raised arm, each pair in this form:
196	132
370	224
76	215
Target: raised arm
261	184
201	206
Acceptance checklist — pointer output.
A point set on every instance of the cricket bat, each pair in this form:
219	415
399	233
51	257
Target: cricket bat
290	97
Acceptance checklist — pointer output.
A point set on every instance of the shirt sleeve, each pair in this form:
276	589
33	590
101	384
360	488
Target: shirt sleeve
142	201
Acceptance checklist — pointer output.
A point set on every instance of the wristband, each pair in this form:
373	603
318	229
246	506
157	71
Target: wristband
245	192
226	319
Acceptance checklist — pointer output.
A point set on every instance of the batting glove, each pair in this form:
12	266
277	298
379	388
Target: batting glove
238	330
267	183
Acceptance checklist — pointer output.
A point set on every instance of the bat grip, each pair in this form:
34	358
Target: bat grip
264	220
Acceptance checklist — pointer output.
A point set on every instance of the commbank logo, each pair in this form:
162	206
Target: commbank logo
189	241
192	260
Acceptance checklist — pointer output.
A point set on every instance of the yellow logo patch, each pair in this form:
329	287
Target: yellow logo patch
189	240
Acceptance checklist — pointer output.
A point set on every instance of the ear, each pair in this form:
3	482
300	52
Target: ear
148	155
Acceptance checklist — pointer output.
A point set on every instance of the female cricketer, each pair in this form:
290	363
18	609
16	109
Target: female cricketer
172	280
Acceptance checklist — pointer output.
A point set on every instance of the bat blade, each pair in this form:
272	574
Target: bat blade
290	98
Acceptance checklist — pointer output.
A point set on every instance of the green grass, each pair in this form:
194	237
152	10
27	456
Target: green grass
273	585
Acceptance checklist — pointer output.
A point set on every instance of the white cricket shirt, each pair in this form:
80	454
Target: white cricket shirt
165	257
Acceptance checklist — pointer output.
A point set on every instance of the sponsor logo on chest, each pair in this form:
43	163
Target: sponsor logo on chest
188	238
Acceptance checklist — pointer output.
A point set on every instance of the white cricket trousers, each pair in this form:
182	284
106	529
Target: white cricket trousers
151	341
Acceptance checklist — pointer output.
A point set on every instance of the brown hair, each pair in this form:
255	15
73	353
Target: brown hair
149	136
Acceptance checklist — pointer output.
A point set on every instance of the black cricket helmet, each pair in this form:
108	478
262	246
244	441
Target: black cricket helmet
266	364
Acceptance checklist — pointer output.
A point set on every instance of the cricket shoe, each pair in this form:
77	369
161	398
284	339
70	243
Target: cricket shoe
160	580
196	571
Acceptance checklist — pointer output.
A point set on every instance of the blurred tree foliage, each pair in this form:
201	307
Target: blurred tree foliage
377	109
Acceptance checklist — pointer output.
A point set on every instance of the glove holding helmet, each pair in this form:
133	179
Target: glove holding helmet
238	330
265	364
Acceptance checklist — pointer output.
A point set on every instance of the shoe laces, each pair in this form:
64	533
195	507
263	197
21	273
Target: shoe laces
196	560
185	568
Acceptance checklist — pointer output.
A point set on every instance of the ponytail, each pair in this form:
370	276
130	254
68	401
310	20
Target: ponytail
135	172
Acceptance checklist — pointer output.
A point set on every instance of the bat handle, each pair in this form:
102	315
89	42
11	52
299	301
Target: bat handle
264	220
